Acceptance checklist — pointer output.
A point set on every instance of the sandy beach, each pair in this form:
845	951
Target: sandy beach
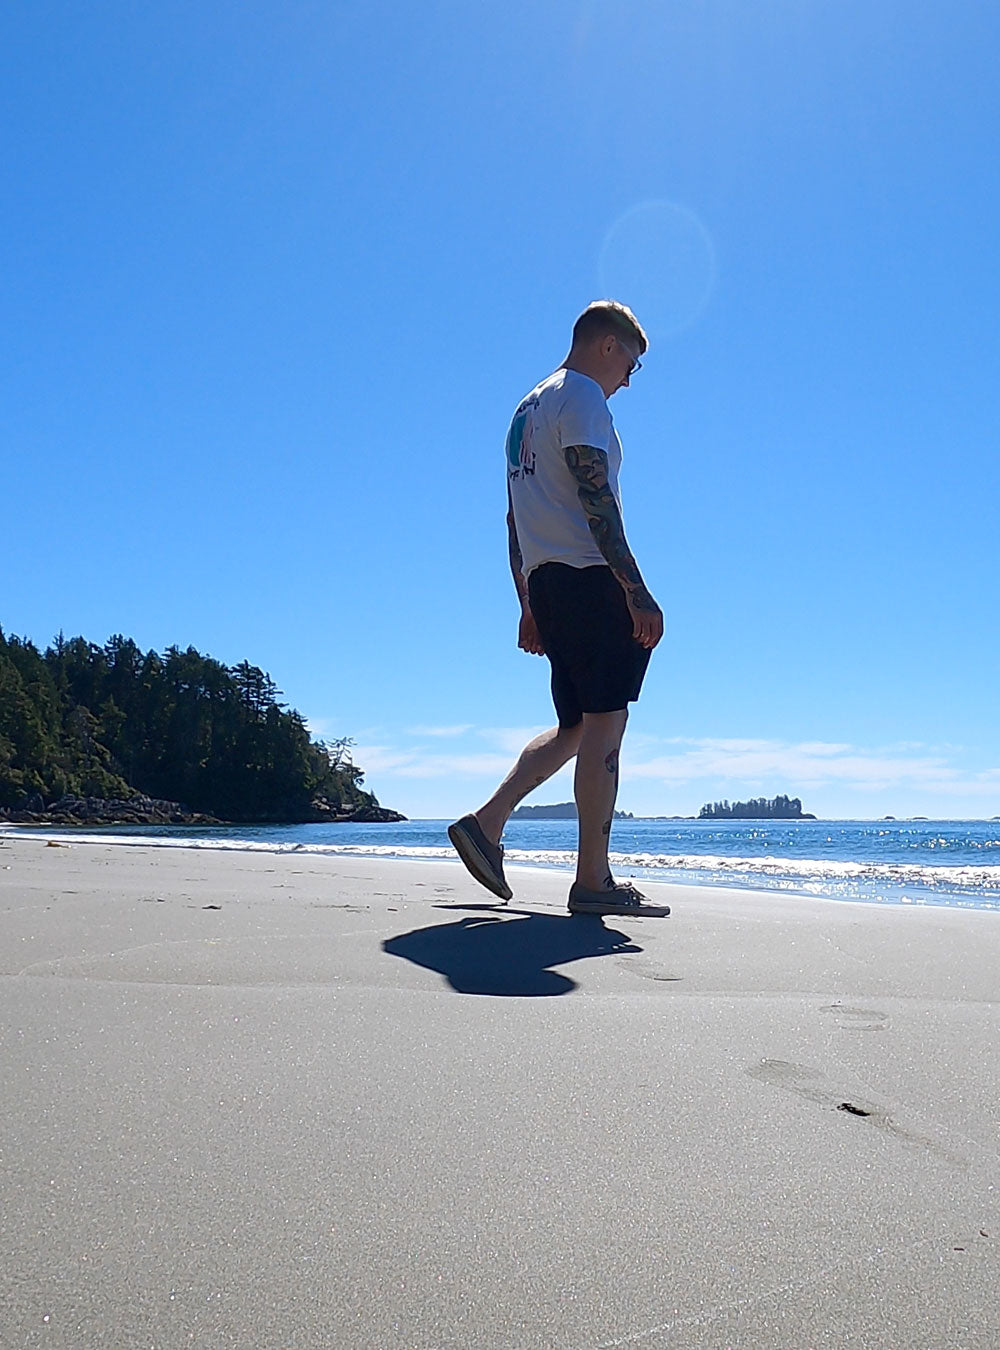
268	1100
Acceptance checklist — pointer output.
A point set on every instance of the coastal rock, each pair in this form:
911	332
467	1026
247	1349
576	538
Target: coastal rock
375	815
71	810
142	810
336	813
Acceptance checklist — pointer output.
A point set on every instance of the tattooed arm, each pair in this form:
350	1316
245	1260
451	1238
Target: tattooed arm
528	638
589	467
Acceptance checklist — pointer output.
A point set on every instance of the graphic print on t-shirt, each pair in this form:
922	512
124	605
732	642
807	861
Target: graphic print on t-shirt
520	455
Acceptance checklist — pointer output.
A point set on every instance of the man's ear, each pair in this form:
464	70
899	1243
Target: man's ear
607	345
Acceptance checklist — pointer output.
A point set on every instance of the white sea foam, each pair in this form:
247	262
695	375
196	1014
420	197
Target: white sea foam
804	873
818	869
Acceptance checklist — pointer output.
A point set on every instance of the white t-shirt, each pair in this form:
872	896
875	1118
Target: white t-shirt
566	409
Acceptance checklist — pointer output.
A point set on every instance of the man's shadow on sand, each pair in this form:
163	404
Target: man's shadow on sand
508	956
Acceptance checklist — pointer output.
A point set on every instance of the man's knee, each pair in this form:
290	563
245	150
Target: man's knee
607	722
571	735
603	732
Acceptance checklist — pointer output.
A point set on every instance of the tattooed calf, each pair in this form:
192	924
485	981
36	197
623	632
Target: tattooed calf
611	762
530	788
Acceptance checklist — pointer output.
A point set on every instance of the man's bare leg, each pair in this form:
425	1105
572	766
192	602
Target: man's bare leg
537	762
596	789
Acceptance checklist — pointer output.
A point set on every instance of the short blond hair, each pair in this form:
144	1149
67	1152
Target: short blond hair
602	318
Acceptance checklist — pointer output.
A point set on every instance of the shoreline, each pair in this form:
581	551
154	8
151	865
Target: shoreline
911	886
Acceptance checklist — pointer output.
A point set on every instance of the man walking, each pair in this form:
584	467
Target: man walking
584	603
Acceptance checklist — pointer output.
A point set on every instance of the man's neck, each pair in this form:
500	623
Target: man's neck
583	366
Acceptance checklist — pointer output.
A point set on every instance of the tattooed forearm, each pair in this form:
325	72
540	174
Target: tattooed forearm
589	467
514	551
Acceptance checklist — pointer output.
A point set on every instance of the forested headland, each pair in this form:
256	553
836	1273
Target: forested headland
179	735
560	811
757	808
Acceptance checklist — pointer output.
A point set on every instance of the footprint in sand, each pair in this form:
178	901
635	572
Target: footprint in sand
850	1099
646	970
857	1019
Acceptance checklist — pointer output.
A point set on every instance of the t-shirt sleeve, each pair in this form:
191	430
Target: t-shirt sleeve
584	418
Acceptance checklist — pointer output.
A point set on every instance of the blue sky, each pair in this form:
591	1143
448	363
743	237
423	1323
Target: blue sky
275	277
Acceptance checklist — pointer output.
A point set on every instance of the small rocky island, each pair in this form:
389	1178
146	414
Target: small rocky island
758	808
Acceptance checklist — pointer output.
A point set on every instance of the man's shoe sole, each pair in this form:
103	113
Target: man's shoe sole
476	862
611	907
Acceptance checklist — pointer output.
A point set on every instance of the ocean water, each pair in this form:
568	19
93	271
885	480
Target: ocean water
935	862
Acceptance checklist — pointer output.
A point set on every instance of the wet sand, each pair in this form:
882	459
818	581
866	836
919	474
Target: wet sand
260	1100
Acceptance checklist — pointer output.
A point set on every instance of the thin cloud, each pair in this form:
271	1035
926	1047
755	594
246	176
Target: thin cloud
809	765
512	739
332	728
417	763
728	764
320	727
458	730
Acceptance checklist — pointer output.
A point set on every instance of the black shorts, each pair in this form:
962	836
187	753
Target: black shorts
586	630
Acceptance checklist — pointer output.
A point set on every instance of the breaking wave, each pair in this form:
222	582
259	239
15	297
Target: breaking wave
898	882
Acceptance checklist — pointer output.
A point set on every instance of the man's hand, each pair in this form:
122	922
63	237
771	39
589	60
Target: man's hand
527	634
647	617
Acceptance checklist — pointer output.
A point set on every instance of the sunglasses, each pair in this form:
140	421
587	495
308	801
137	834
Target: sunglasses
636	363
